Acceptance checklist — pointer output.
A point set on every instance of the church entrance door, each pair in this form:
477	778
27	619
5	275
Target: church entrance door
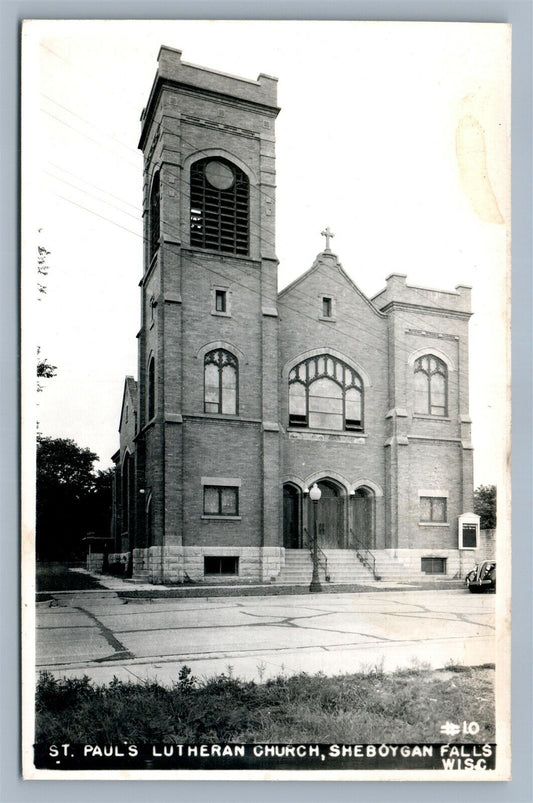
330	516
291	517
363	518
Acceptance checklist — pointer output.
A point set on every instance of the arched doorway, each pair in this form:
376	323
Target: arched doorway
330	516
363	518
291	516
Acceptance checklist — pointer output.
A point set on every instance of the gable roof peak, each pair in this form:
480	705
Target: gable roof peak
328	258
330	261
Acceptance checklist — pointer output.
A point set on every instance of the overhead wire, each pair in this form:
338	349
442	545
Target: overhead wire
223	276
96	187
170	226
150	162
92	195
123	98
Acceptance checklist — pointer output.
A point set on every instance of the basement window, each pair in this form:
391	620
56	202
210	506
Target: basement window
433	565
221	564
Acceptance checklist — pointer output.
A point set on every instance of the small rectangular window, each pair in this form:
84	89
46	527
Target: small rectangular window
327	307
433	509
221	564
220	301
221	501
433	565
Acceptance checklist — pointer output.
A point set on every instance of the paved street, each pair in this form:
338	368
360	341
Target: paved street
256	637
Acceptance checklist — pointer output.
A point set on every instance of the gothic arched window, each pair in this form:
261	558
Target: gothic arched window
151	389
220	382
128	492
219	206
325	393
431	386
155	215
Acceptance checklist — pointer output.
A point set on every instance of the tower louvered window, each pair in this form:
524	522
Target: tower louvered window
219	206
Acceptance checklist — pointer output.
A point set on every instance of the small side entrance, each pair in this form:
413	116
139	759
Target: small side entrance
291	516
363	518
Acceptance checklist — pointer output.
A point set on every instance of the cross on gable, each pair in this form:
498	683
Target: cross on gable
328	235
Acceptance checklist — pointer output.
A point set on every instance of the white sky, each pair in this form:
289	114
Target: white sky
393	134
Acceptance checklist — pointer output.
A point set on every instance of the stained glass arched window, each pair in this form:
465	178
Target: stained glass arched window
220	382
431	386
325	393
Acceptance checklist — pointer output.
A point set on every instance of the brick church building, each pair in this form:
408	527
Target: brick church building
247	397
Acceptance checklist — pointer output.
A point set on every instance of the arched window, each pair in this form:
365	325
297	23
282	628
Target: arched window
325	393
151	389
127	492
220	382
431	386
149	522
155	215
219	206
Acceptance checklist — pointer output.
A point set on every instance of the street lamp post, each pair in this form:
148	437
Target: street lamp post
314	494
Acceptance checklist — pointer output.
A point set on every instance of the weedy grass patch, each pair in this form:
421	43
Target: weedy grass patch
405	706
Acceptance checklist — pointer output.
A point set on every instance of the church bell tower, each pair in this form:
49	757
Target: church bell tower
208	452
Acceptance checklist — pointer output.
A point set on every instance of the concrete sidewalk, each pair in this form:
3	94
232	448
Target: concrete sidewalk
128	588
103	635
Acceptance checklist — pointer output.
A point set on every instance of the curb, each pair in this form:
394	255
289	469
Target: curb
207	592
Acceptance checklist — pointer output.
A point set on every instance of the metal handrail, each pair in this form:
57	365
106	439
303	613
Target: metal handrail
320	551
366	557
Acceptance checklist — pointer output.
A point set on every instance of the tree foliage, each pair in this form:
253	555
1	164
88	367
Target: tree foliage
45	370
485	506
72	498
42	266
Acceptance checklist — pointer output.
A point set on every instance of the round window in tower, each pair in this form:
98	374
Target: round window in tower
219	175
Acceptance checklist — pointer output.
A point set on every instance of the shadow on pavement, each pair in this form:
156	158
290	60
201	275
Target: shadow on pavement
60	577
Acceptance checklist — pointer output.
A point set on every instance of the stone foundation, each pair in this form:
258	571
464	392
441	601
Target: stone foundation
94	562
176	564
405	564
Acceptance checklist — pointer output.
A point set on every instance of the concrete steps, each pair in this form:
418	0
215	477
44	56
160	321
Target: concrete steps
343	567
139	576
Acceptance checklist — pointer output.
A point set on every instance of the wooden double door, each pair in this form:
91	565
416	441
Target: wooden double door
330	517
333	529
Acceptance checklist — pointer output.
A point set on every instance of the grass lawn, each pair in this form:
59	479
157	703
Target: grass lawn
58	577
406	706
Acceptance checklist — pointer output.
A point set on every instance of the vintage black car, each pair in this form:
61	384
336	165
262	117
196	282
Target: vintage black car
482	577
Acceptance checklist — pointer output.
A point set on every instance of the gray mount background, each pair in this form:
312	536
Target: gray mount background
517	12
